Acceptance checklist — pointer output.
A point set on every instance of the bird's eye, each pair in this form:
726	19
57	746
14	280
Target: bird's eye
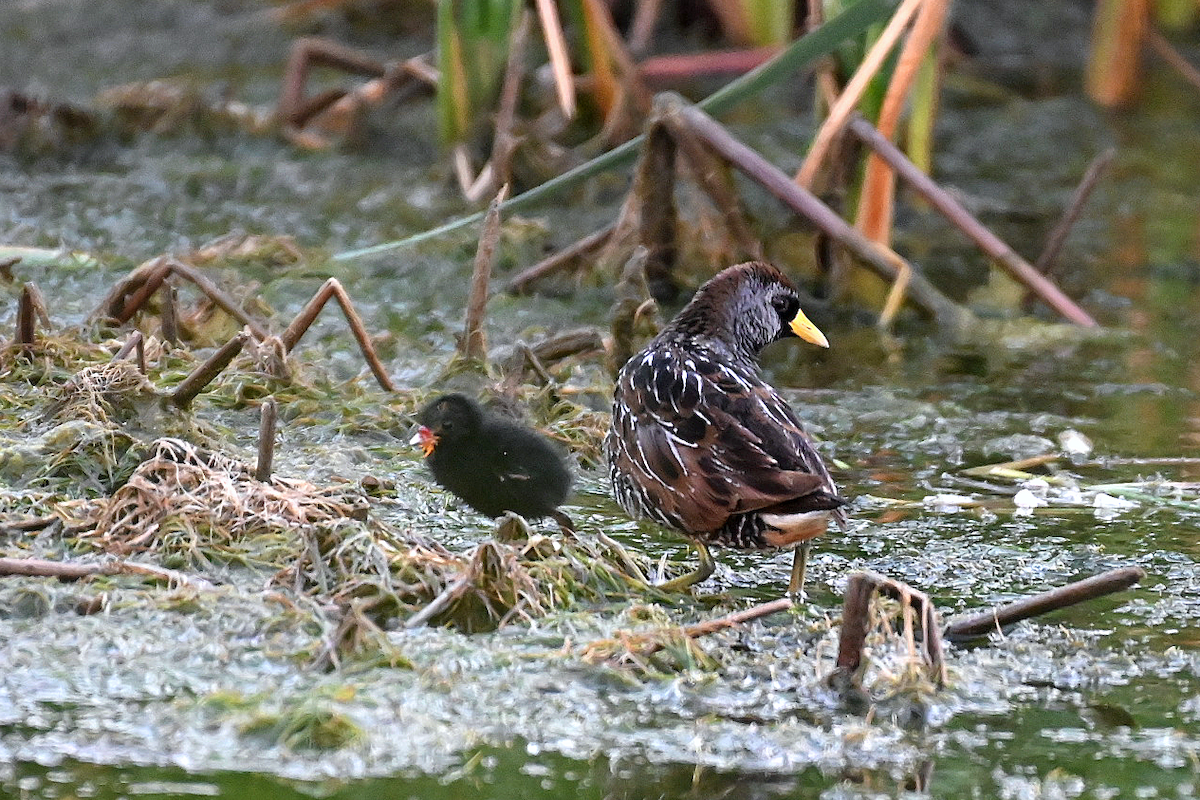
447	425
784	306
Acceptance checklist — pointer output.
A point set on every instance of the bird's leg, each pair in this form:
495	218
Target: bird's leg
702	573
799	568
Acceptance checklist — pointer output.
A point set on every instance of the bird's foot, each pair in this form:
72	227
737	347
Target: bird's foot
702	573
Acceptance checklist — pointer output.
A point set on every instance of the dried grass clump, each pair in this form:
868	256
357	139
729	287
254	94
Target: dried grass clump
522	580
655	653
79	439
895	677
371	568
191	502
373	572
100	393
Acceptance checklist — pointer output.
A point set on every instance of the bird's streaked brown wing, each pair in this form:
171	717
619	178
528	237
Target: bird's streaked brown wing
703	440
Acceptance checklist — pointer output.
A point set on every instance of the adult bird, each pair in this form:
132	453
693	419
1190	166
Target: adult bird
490	462
700	443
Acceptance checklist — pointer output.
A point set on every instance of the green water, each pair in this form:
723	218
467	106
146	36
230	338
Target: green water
154	699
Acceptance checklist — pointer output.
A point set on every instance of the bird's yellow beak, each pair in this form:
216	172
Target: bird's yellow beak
426	439
802	326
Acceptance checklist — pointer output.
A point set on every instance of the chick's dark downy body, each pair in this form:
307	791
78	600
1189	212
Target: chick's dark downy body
493	464
700	443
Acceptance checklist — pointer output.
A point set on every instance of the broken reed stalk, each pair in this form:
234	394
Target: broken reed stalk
26	319
305	52
1083	191
29	525
44	568
878	189
641	29
333	288
856	608
699	629
657	224
170	315
266	440
453	590
498	169
979	625
716	180
204	374
560	61
953	211
520	283
580	341
474	344
688	120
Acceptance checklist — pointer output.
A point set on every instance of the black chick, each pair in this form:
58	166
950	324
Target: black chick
699	442
493	464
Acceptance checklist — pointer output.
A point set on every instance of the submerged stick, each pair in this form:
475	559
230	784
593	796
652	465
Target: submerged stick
204	374
266	440
978	625
1007	468
1058	235
882	260
474	343
333	288
952	210
68	571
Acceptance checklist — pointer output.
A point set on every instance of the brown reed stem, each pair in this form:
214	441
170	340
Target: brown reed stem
856	607
474	343
266	440
333	288
157	274
170	315
1083	191
520	283
204	374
